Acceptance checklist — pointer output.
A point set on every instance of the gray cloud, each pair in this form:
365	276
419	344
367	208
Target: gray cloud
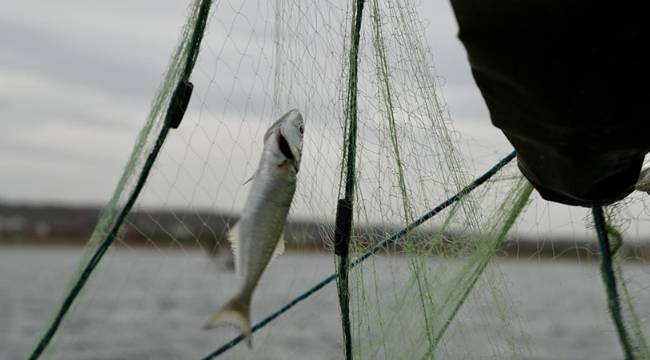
51	55
75	87
76	84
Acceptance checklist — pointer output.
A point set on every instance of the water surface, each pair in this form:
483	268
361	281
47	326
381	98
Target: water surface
151	304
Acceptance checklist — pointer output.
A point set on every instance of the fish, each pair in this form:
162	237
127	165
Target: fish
258	235
643	183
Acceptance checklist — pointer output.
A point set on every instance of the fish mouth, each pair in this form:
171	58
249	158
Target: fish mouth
296	164
294	113
285	148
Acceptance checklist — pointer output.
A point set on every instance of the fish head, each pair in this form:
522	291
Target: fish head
286	136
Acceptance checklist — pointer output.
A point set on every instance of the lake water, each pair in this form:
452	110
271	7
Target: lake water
150	304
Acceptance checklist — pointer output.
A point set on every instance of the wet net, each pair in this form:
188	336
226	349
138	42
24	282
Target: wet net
436	292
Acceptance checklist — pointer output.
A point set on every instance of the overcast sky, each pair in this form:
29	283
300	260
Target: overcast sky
77	78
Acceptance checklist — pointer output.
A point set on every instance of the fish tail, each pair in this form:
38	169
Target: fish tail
236	312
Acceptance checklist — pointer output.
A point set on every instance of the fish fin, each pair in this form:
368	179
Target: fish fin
250	179
279	248
235	312
233	237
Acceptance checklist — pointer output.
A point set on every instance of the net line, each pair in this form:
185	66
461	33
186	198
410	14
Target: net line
344	210
290	54
177	77
361	258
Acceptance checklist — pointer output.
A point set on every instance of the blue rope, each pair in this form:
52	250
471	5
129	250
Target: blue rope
395	237
613	301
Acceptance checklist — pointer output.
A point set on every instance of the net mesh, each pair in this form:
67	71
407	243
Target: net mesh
437	295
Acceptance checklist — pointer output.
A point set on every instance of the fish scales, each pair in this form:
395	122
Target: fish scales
257	237
260	228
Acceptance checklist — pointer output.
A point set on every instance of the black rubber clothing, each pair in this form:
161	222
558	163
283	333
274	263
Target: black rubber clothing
567	82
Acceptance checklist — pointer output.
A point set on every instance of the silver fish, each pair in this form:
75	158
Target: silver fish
257	237
643	184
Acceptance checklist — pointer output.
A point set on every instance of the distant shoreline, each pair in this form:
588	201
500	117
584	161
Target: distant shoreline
58	225
519	250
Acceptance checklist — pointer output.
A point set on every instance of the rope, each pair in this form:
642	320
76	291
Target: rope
192	53
101	250
382	244
613	301
344	211
194	44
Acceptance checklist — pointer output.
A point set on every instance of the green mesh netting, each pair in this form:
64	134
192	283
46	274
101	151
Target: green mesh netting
437	293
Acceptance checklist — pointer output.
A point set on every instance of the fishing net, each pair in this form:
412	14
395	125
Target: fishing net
435	293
